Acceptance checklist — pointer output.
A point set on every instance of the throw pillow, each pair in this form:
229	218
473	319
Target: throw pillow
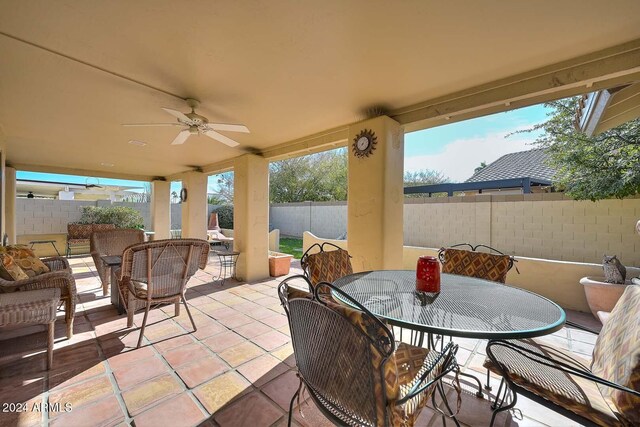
27	260
9	270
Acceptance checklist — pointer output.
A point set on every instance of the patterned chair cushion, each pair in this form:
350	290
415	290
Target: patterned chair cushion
328	266
102	227
573	393
616	355
27	260
9	270
476	264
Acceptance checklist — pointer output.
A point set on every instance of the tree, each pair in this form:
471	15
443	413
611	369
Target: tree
424	177
597	167
483	165
223	194
316	177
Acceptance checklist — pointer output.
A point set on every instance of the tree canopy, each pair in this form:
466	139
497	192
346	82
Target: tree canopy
597	167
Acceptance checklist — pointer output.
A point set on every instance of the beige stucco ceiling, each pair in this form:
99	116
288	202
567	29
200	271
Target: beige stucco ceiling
286	69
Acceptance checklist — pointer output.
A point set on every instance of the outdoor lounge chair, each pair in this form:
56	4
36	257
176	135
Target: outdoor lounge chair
325	266
158	272
214	233
111	243
59	276
348	361
605	393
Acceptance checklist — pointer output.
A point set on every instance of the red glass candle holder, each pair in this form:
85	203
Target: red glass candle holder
428	275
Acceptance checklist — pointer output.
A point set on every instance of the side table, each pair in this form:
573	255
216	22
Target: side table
41	242
228	261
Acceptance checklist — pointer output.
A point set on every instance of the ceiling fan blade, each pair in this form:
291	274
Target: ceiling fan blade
228	127
220	137
181	137
178	115
151	124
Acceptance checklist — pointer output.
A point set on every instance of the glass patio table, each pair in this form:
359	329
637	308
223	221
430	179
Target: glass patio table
465	306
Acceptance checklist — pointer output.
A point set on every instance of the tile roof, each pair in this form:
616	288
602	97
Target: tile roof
524	164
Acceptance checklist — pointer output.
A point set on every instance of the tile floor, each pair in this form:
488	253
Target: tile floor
236	370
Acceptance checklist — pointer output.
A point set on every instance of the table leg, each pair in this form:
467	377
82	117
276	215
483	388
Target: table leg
54	247
115	292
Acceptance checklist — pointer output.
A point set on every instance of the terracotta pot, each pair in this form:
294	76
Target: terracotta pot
279	264
602	296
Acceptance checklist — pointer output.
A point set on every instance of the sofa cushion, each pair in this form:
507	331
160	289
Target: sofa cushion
9	270
476	264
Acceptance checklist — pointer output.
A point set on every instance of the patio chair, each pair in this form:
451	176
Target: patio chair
325	266
59	276
607	393
348	361
157	272
111	243
476	264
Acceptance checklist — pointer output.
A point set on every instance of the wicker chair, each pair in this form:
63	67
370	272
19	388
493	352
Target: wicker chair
32	307
349	363
158	272
607	393
59	277
325	266
110	243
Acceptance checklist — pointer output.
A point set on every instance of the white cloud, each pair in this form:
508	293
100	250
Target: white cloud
461	156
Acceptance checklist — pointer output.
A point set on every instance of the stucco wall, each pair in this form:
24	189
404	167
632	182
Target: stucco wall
548	226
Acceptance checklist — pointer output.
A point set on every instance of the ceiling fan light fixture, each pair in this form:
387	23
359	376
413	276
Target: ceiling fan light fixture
193	130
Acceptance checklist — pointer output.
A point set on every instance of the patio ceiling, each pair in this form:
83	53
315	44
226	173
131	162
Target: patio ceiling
285	71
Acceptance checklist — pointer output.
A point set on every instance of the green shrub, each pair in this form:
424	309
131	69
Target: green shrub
121	216
225	216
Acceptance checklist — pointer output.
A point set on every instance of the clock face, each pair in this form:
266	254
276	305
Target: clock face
364	143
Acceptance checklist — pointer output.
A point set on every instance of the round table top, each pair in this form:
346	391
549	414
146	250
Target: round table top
464	307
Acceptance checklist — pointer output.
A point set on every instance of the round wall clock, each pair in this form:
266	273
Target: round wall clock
364	143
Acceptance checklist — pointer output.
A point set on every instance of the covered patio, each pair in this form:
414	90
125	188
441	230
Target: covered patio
237	369
302	79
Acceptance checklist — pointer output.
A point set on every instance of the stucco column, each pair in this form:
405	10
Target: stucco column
161	209
376	197
10	203
194	209
251	216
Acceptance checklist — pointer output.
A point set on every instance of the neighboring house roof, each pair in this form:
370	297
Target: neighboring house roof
524	164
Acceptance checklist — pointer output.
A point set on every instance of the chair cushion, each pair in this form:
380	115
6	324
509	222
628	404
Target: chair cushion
9	270
139	289
476	264
573	393
328	266
616	355
27	260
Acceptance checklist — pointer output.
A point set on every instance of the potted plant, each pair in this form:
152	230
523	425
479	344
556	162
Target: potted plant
603	292
279	263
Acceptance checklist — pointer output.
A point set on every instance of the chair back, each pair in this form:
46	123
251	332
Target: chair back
164	265
326	266
340	354
114	242
616	354
471	263
111	243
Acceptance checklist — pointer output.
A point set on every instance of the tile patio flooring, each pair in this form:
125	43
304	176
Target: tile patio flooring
236	370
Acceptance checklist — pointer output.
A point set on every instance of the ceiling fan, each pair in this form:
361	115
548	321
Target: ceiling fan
196	124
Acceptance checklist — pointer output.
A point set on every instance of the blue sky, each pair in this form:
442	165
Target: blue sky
455	149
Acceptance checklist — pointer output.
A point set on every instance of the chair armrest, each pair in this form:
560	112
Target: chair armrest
57	263
541	359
